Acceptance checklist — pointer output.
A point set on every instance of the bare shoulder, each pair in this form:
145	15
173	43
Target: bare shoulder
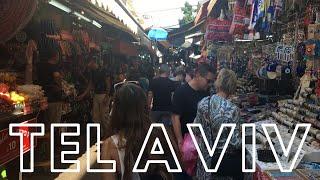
109	149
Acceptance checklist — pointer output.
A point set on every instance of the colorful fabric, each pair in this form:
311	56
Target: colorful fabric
238	25
259	11
211	116
218	30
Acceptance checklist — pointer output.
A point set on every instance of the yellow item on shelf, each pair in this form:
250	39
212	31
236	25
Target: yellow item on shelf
16	97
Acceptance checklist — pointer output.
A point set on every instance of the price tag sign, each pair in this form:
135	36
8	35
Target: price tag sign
10	145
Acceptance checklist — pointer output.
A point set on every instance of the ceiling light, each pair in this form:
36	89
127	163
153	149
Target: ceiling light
243	40
96	24
82	16
60	6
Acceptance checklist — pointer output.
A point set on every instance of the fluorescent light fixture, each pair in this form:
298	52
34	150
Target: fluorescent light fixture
96	24
243	40
82	16
60	6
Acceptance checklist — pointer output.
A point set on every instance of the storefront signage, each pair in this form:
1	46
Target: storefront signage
10	144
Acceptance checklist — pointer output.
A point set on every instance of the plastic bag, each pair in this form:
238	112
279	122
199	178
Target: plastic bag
189	155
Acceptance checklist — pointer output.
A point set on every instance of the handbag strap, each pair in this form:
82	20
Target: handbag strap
209	104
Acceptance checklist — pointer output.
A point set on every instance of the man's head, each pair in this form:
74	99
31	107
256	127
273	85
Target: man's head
189	74
204	76
164	70
180	74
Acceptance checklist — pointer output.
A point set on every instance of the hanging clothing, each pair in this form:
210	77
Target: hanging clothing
260	10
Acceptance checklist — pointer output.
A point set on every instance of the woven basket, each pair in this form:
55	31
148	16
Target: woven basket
14	15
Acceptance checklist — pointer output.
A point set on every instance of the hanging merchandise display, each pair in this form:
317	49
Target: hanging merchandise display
218	30
238	22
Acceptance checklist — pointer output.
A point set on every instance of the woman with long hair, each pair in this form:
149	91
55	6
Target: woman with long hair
129	125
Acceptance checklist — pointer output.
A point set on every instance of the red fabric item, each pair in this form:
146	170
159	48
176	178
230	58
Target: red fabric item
238	26
218	30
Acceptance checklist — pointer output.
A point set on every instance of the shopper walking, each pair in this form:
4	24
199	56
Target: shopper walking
160	95
185	101
179	76
130	123
212	112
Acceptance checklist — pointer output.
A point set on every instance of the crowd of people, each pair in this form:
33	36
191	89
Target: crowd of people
174	101
127	104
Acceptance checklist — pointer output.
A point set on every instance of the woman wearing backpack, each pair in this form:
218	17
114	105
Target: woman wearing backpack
212	112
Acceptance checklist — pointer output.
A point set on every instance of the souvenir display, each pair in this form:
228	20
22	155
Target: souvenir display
245	86
59	58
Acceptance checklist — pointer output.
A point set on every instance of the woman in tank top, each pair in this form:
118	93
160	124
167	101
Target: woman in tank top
129	123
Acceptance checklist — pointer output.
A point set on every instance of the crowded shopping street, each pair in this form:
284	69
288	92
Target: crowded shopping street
160	89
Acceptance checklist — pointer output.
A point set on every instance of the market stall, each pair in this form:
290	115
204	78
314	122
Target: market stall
83	34
273	46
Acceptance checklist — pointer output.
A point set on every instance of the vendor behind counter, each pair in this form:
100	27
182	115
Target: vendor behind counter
49	78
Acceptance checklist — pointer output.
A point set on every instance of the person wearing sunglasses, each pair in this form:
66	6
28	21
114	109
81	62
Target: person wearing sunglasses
186	99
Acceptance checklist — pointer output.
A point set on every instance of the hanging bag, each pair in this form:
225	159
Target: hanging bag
189	151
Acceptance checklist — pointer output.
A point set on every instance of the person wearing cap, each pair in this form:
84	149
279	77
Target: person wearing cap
160	94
